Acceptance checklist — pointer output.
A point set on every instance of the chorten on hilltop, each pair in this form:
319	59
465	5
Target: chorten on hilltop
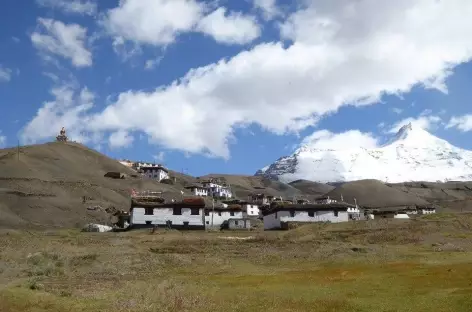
62	137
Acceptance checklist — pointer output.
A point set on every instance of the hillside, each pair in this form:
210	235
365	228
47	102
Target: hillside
46	184
374	194
413	154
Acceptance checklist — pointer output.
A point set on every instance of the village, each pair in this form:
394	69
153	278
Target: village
212	205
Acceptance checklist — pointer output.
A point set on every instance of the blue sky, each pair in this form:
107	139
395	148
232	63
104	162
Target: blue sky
230	86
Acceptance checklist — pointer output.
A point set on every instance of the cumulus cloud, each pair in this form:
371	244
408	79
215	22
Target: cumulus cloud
85	7
159	22
232	28
155	22
68	109
68	41
343	53
463	123
327	140
5	74
268	7
425	121
120	139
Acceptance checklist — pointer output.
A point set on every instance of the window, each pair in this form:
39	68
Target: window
208	222
236	223
231	213
219	213
177	211
195	211
148	211
292	213
311	213
336	214
207	213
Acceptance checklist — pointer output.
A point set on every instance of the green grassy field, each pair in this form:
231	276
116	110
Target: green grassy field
395	265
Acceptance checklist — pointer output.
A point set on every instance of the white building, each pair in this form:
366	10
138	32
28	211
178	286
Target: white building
158	172
215	218
178	216
426	210
127	163
279	216
197	190
217	190
252	210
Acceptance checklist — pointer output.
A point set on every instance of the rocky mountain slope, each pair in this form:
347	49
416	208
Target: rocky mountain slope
413	154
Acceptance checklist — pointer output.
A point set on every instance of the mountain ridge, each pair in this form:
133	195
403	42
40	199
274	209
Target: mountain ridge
412	154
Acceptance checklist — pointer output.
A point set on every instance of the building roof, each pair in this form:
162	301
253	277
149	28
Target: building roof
154	167
309	207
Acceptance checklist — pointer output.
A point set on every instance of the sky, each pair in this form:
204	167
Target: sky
229	86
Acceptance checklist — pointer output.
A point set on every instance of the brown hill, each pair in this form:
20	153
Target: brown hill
45	185
312	188
375	194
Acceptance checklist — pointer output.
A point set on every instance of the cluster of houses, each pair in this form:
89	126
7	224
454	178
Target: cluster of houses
201	211
275	212
212	187
149	170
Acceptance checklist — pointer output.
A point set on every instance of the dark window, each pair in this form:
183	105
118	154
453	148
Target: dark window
311	213
219	213
148	222
207	213
292	213
186	224
208	222
231	213
236	223
336	213
177	211
148	211
195	211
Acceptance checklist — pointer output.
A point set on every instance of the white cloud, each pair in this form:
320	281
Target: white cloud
268	8
66	110
232	28
151	64
159	22
344	53
159	157
426	122
15	39
68	41
3	140
5	74
85	7
155	22
120	139
463	123
397	110
351	139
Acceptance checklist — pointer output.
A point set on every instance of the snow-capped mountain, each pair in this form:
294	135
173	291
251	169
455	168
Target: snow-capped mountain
413	154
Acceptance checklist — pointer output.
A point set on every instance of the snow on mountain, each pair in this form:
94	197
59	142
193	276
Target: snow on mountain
413	154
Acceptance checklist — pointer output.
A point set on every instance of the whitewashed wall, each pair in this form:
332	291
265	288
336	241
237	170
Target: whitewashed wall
252	210
162	215
271	222
218	220
302	216
199	192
